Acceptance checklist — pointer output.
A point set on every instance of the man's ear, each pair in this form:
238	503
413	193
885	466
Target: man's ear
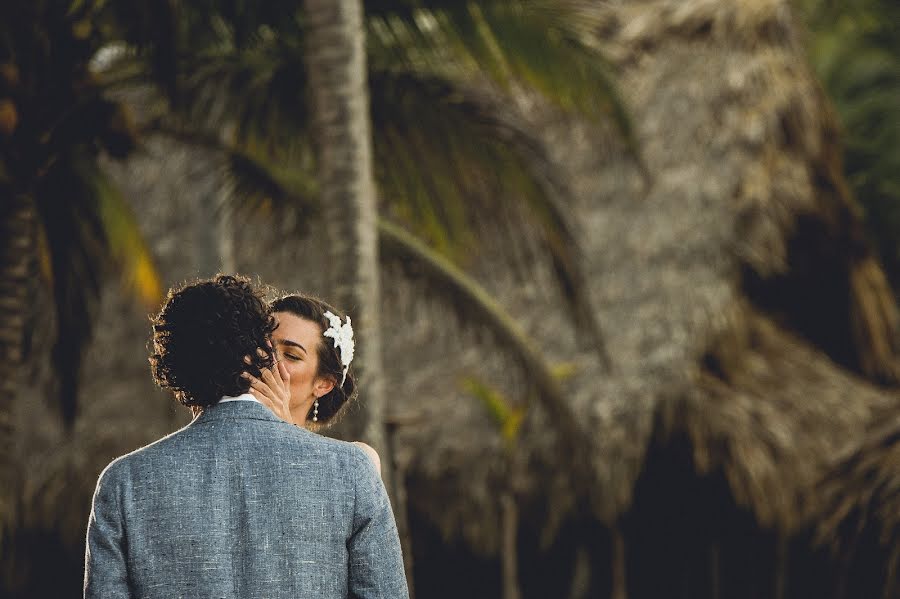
323	386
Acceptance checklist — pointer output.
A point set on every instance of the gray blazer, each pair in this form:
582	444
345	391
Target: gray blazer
241	504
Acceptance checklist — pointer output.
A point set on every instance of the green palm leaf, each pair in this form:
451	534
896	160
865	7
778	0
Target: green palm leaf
62	123
260	90
508	415
150	27
262	185
448	157
539	43
476	307
855	49
89	233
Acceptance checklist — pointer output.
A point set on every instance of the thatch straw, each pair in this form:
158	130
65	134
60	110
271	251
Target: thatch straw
862	490
741	146
774	423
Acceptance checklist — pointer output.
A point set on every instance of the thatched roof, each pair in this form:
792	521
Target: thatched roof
739	144
862	490
774	421
705	259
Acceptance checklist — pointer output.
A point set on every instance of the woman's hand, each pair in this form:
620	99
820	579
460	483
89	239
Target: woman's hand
272	389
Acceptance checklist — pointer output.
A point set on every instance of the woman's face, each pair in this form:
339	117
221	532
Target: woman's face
296	343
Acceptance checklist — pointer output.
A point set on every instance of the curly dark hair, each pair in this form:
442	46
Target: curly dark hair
202	334
307	307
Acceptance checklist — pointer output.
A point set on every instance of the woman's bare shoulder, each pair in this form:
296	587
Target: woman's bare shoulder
371	453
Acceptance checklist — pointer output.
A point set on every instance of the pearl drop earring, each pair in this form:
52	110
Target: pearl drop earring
316	410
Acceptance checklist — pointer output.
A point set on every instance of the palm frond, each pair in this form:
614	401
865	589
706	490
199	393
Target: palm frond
152	28
538	43
448	156
259	90
89	233
445	157
507	414
263	186
255	89
477	308
73	242
126	244
855	49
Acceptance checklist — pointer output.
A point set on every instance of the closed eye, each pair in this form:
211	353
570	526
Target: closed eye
290	349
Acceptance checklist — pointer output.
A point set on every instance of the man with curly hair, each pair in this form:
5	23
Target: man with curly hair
238	503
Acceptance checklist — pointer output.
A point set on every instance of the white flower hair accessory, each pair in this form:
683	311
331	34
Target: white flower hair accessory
342	333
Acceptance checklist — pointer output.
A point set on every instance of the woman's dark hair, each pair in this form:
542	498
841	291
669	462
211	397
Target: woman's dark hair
313	309
202	334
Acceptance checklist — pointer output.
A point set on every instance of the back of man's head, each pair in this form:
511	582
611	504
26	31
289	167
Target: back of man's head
202	334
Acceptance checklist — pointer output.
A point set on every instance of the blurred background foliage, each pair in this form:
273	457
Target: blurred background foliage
855	50
56	121
449	85
448	153
230	76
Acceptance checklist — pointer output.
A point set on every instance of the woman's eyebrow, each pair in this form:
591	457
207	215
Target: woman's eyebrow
290	343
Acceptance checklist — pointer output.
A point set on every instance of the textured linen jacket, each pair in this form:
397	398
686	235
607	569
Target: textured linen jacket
241	504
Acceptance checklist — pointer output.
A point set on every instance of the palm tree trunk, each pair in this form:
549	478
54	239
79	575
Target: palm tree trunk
715	567
619	575
213	238
336	69
892	580
17	251
509	551
782	567
400	503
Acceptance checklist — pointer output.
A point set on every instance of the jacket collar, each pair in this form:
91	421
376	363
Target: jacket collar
236	410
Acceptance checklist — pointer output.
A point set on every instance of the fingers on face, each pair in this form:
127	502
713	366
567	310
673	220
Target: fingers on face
283	371
256	384
265	400
271	379
261	353
256	393
264	354
272	403
277	376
